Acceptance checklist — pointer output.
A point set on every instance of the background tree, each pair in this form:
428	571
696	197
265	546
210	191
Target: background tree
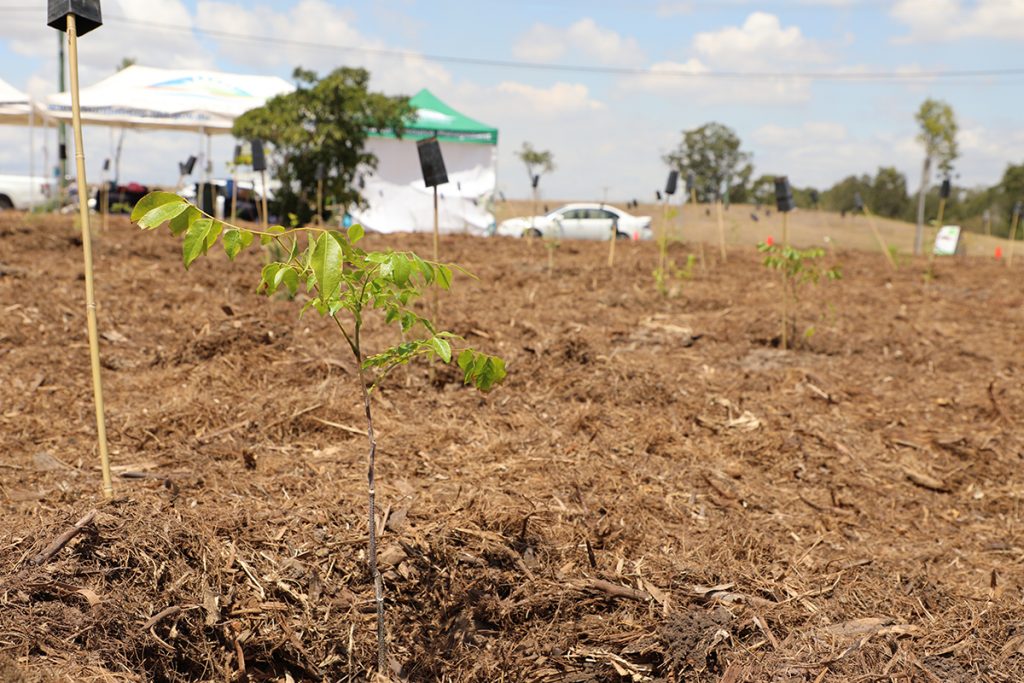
762	190
537	162
888	196
713	153
325	120
938	135
840	197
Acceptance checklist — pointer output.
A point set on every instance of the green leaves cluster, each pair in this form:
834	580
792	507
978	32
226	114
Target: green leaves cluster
338	277
324	121
798	265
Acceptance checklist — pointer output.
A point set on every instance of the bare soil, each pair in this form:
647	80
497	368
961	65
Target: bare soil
657	493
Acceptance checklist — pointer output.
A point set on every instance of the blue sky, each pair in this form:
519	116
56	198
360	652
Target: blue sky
606	130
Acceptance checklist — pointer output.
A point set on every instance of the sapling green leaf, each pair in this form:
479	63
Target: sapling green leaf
195	243
156	208
180	223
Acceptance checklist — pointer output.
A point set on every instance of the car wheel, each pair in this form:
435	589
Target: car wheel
532	232
5	203
621	236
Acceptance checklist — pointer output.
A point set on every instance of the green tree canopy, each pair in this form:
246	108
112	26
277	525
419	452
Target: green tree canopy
938	133
537	162
324	121
1012	186
888	196
712	152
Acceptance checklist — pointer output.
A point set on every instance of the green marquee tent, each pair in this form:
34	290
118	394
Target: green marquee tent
397	200
434	117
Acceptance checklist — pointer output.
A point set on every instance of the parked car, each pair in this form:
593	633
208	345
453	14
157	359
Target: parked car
121	198
21	191
579	221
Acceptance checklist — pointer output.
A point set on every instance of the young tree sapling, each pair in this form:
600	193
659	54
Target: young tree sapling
798	267
346	284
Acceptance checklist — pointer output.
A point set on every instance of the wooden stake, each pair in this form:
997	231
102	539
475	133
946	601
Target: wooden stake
320	202
878	236
437	238
234	193
721	230
611	245
1013	239
90	297
263	198
105	204
784	337
663	237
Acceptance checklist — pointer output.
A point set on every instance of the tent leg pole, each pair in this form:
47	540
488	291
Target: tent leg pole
90	301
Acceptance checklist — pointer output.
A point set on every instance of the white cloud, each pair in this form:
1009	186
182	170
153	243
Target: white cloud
760	43
545	43
689	78
560	98
946	20
820	153
123	35
305	28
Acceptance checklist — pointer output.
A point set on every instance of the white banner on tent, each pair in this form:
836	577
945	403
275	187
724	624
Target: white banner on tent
175	99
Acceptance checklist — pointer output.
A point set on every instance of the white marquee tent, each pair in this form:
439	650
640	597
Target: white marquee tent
142	97
15	106
398	200
174	99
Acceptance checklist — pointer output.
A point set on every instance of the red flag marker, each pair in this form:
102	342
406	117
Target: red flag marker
999	253
769	241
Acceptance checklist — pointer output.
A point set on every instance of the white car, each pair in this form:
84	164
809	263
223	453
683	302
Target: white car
22	191
581	222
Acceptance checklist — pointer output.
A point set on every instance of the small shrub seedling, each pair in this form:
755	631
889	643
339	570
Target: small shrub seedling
346	284
798	267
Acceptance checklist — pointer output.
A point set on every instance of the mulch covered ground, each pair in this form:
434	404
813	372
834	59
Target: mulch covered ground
657	493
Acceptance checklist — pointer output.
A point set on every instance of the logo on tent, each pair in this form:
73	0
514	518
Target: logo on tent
433	116
198	85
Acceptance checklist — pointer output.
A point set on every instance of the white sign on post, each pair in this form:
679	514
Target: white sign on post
947	241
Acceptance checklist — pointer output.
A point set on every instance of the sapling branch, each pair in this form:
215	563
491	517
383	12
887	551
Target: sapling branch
345	282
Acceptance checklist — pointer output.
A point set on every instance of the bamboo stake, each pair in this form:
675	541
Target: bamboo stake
784	337
611	245
663	237
90	299
878	236
105	203
234	192
1013	238
721	230
320	202
263	192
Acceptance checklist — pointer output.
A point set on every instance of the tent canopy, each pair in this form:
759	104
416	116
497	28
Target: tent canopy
434	117
174	99
14	105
